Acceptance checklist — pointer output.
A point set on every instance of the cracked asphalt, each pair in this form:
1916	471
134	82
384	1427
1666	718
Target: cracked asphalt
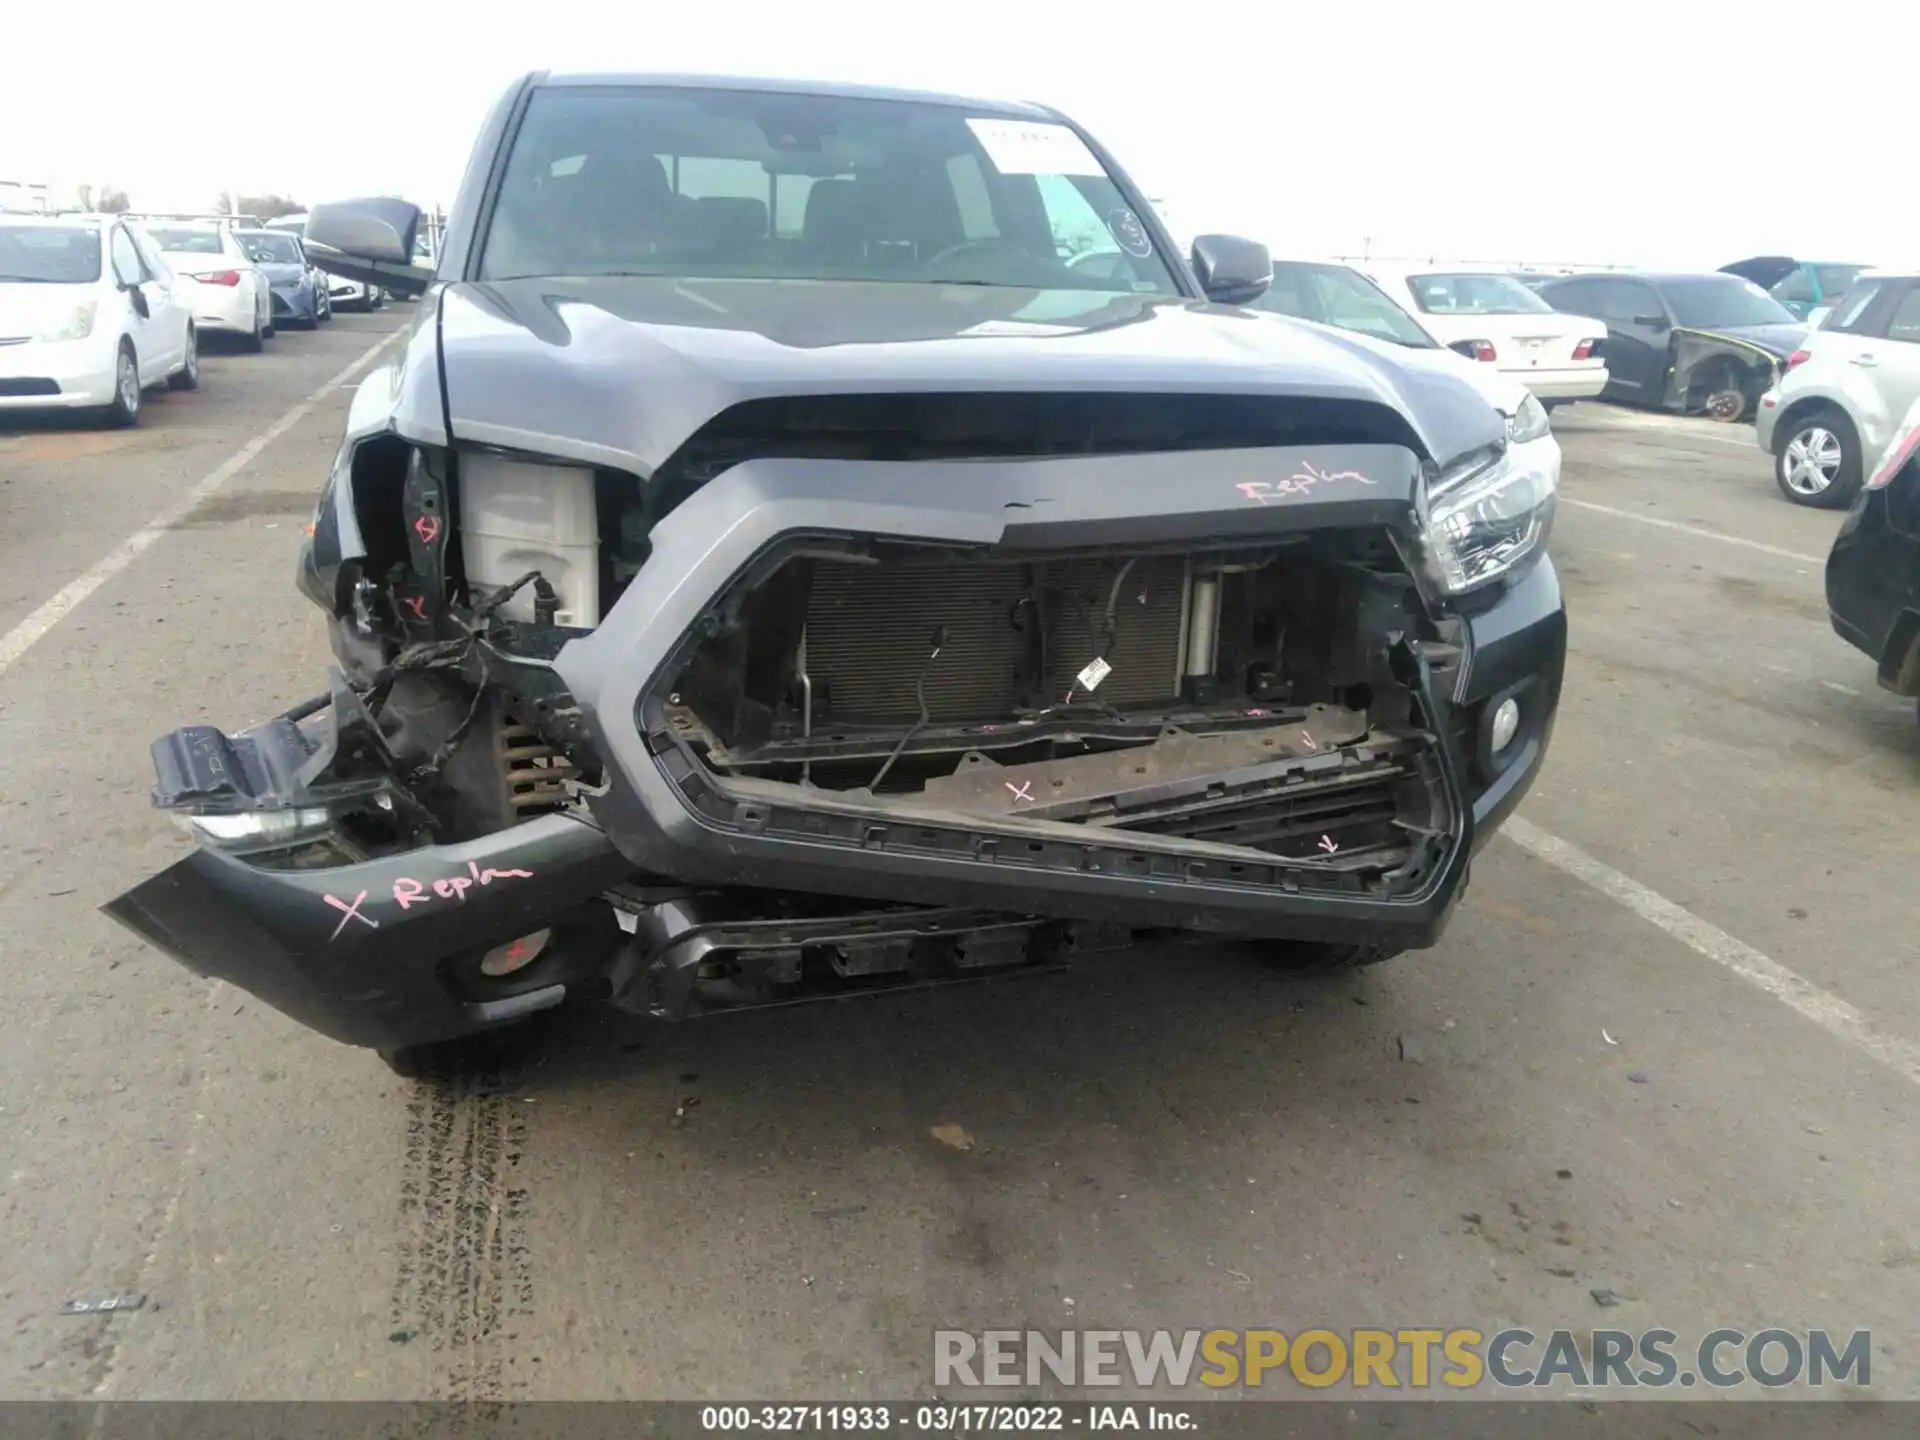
1168	1138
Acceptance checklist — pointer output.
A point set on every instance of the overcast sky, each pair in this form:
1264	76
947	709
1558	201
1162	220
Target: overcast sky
1684	134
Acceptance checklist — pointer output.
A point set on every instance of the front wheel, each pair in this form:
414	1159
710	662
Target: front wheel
124	409
455	1059
1817	460
187	377
1311	957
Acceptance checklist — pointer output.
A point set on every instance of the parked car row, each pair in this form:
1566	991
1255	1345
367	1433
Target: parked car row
1691	343
95	310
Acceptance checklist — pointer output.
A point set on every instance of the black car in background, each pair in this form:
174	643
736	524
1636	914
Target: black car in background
1693	344
1873	570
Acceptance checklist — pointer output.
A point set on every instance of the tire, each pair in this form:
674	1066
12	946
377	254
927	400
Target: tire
376	300
1308	957
1817	460
452	1059
125	409
324	306
256	342
187	377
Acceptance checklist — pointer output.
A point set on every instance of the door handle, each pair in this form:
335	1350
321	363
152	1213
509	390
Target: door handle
1864	360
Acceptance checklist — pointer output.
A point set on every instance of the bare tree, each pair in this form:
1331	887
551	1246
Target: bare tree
265	207
103	199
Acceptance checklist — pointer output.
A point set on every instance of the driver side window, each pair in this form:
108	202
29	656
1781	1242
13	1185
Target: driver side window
156	268
126	259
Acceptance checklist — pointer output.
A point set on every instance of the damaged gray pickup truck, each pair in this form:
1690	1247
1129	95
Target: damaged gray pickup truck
815	540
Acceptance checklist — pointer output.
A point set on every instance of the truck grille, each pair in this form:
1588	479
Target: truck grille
870	630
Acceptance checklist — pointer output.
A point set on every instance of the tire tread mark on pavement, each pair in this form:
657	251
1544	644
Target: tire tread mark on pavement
463	1276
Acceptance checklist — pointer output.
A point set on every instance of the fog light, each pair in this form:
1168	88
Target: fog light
1506	724
508	959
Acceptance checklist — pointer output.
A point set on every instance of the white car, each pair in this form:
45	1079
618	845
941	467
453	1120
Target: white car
342	294
228	292
90	317
1841	397
1339	296
1491	317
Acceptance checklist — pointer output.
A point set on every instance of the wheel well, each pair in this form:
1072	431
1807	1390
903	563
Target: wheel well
1742	374
1804	409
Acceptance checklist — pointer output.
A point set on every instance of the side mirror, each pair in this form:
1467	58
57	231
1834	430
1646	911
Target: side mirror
1232	270
1652	322
139	299
379	230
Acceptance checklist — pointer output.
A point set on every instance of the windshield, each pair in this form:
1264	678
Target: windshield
1716	302
731	183
1474	295
271	249
1834	279
49	255
1335	295
185	242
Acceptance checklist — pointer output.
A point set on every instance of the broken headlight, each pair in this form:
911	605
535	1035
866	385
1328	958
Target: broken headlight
1529	422
242	831
1487	523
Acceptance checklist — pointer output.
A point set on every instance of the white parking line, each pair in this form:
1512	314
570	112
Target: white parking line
1659	425
1797	993
1697	531
30	631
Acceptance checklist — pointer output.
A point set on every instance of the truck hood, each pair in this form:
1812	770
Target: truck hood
622	370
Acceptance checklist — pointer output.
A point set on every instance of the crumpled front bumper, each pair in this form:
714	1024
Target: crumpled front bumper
361	952
366	952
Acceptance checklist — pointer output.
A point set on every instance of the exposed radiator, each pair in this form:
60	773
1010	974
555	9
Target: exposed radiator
870	629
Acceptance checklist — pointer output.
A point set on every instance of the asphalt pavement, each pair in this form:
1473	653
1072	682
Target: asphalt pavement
1668	1048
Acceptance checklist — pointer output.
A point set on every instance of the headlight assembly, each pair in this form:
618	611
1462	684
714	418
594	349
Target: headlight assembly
1488	524
1529	422
77	324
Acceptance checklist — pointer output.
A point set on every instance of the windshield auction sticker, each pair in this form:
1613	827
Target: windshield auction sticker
1024	147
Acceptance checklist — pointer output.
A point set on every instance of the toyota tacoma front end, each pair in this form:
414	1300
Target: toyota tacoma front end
814	582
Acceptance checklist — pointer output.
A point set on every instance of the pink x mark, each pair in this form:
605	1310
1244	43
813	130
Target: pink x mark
348	912
1022	791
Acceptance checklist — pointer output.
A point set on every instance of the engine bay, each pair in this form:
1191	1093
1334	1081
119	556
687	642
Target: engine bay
1242	699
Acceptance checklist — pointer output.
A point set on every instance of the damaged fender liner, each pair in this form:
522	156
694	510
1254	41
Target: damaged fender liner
670	815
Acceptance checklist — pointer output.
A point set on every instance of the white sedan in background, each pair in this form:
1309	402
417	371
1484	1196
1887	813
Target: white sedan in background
1491	317
90	317
229	294
1339	296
